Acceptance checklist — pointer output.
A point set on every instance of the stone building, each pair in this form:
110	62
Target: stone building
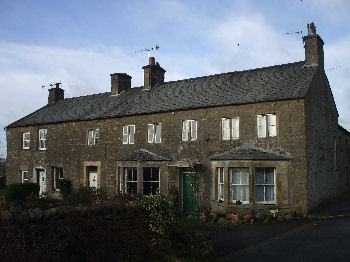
241	142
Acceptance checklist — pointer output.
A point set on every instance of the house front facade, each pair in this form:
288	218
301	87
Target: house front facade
244	142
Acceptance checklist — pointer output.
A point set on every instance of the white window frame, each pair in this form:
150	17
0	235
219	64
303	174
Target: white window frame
150	181
23	173
231	200
267	125
189	130
265	185
55	178
25	140
128	137
126	181
95	136
220	171
42	139
230	128
154	133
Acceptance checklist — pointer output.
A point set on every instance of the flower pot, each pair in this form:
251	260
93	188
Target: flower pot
236	217
214	215
229	216
203	214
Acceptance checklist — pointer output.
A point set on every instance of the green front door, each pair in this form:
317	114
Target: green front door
189	198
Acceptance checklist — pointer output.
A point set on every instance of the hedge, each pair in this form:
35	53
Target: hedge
20	191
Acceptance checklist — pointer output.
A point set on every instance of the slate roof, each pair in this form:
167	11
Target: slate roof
143	155
248	152
280	82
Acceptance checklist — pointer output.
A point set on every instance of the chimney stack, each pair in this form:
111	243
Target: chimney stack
153	74
313	47
119	83
55	94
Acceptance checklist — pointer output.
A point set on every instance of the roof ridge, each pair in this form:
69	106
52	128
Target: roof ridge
236	72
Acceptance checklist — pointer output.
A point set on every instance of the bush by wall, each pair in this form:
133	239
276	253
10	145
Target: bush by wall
161	211
65	187
19	192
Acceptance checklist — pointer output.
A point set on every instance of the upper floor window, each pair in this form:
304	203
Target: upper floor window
42	139
221	183
266	125
26	140
129	134
154	133
230	128
189	130
265	184
24	176
93	137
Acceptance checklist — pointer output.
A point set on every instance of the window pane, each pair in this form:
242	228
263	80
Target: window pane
185	130
221	191
269	176
97	136
271	119
259	176
131	187
147	174
193	130
155	174
125	134
235	128
150	133
259	193
91	137
132	134
225	129
158	136
261	125
240	193
269	193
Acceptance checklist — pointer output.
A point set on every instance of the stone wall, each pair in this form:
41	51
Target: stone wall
67	144
326	172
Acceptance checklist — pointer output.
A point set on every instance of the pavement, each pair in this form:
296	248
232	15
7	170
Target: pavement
323	239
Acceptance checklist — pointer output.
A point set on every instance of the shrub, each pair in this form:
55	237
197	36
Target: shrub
86	195
19	192
65	187
161	211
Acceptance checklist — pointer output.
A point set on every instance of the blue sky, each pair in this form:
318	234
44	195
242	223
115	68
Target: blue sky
82	42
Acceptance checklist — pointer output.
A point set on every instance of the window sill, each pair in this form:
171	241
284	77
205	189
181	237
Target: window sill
265	202
42	149
27	148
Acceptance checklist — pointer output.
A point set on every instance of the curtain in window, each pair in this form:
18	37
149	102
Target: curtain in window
150	133
185	130
158	134
235	128
193	130
239	181
225	128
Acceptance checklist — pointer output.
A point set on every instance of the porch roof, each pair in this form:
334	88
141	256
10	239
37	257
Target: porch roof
143	155
249	152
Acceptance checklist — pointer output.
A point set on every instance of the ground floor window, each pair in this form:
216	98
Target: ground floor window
265	184
221	183
24	176
150	180
239	185
130	178
57	174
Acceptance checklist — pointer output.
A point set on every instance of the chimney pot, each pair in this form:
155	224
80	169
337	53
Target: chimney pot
311	28
152	61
